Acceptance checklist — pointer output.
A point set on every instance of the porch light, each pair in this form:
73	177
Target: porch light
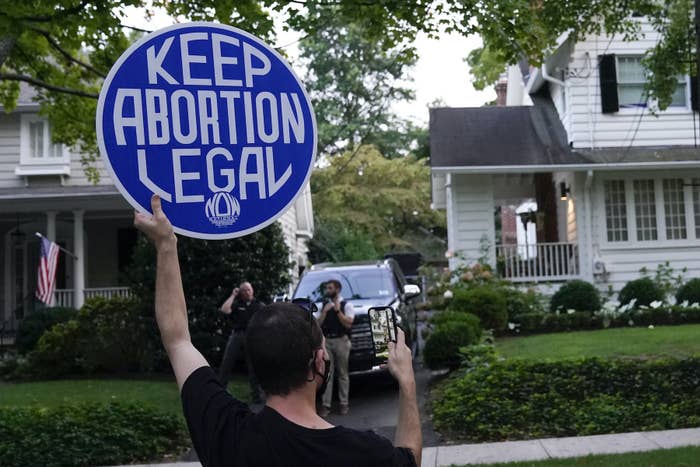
564	191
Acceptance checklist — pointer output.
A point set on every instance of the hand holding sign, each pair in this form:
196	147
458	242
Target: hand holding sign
157	227
213	121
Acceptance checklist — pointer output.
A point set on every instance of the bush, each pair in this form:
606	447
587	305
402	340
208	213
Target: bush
520	302
644	290
442	347
447	316
488	303
87	434
524	399
32	327
576	295
533	323
106	335
690	292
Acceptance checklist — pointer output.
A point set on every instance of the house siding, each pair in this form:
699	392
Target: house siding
9	150
472	216
583	119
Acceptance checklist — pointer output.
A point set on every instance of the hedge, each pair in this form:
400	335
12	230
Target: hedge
643	291
35	324
524	399
87	434
575	295
455	330
486	302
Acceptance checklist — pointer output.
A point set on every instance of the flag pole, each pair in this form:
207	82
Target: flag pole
59	246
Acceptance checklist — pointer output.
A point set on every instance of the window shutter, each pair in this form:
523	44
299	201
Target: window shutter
608	83
694	93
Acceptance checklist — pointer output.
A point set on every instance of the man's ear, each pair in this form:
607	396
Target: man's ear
319	360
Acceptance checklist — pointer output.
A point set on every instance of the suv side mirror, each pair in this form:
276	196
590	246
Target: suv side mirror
411	290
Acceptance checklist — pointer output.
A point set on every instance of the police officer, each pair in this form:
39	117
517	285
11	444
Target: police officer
241	306
336	319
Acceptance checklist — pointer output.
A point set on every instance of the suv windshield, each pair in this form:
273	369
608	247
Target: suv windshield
357	284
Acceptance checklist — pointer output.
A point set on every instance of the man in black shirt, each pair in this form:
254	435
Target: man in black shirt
241	306
292	366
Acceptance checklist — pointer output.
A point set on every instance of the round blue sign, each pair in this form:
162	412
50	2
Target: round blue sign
214	121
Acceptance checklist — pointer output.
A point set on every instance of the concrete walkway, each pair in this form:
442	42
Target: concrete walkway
540	449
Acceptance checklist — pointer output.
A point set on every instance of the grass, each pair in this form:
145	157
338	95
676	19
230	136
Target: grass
679	457
161	394
662	341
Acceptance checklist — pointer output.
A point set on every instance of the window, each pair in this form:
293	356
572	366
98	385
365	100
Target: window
674	209
615	210
631	77
645	209
36	145
696	205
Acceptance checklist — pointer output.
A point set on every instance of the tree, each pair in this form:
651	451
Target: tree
388	200
210	270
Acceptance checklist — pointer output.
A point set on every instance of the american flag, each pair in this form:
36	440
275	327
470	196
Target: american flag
46	282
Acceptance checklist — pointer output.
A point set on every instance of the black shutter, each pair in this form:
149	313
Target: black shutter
608	83
694	93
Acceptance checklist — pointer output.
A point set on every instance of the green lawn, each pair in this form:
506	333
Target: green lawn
680	457
662	341
160	394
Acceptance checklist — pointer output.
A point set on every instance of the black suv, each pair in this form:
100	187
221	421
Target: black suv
366	284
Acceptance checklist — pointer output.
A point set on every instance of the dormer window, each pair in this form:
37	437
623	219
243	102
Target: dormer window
38	155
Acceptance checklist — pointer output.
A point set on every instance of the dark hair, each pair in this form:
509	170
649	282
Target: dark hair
281	341
335	282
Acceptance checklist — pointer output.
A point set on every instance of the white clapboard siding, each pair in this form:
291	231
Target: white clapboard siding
77	172
9	150
471	215
580	108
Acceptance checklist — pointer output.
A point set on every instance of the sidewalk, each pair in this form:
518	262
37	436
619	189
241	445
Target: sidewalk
540	449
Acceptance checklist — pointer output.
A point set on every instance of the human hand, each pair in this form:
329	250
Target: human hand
235	292
400	361
157	227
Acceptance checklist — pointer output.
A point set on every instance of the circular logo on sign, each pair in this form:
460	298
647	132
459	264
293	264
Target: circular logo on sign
212	120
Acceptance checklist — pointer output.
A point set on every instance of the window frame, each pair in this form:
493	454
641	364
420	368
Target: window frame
650	103
25	147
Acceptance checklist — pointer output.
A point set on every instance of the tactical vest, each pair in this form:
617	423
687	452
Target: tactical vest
332	327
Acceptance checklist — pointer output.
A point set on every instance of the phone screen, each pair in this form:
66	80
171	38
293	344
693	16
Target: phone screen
383	323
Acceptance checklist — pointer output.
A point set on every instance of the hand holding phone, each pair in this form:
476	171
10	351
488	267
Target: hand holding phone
383	325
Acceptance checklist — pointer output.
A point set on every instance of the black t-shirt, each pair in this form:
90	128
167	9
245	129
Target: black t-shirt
241	312
226	433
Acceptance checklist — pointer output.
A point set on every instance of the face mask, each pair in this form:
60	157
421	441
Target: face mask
326	376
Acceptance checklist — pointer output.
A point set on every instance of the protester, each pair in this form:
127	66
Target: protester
241	306
336	320
287	351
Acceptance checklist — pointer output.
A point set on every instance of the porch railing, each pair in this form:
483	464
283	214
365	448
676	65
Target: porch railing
538	262
64	297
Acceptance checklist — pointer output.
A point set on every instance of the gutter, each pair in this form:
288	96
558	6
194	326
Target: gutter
589	228
495	169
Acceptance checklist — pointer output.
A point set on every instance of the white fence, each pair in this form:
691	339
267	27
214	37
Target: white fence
538	262
64	297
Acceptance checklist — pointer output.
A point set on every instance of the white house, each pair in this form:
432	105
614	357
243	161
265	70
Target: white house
43	188
617	188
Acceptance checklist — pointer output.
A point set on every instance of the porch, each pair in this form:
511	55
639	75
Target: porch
66	297
538	262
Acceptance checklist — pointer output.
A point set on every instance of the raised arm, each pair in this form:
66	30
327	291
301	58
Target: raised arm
226	307
408	430
171	309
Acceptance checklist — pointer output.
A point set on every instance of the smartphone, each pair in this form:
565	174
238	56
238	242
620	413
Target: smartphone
383	324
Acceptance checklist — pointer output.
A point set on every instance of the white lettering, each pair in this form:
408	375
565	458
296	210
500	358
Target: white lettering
257	177
155	63
179	176
208	116
188	59
274	133
191	116
156	118
249	125
273	183
229	97
120	121
248	53
289	120
143	177
230	174
221	60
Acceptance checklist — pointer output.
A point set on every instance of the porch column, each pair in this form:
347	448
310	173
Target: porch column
79	263
51	225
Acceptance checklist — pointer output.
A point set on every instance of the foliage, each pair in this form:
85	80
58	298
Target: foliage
532	323
486	66
689	292
644	291
488	303
520	302
447	316
87	434
666	278
576	295
106	335
32	327
524	399
335	241
210	270
442	347
383	199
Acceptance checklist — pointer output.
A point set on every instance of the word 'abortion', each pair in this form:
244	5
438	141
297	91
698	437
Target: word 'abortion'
186	113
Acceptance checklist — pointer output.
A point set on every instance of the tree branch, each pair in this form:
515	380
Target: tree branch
135	28
66	54
59	14
47	86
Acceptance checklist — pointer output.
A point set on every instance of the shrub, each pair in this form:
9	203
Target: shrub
442	317
488	303
32	327
533	323
644	290
520	302
576	295
525	399
87	434
690	292
442	347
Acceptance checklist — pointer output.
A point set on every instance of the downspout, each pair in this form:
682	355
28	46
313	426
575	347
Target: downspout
450	220
589	227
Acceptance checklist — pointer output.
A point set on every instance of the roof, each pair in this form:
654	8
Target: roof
641	155
500	136
27	97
